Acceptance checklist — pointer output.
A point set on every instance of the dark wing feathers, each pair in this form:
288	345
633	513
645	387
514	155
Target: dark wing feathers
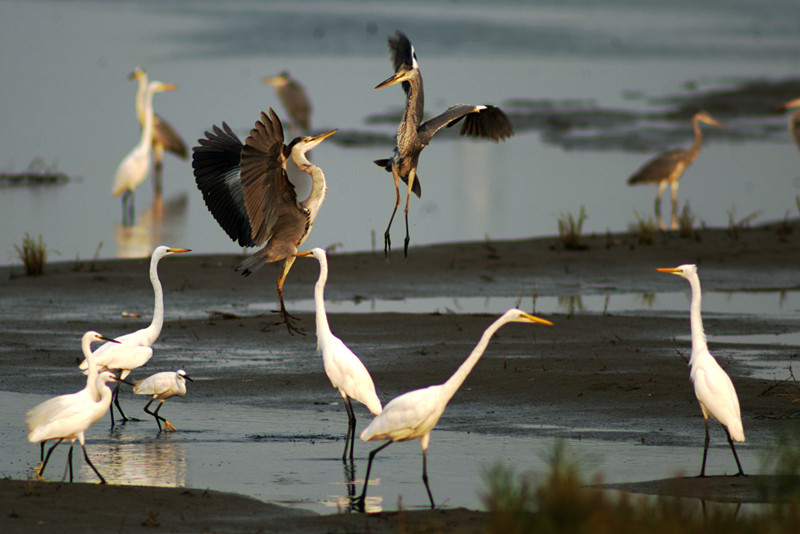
488	122
216	169
165	135
659	168
268	193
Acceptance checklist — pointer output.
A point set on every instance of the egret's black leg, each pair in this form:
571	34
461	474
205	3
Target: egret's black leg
359	502
47	457
735	456
69	463
349	440
154	414
705	451
119	408
88	461
350	479
425	476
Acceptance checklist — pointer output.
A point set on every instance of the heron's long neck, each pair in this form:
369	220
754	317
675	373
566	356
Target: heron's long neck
698	335
450	387
158	309
323	328
140	98
147	131
91	377
318	185
698	139
414	109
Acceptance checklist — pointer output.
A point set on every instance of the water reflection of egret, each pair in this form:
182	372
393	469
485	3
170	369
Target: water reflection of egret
137	460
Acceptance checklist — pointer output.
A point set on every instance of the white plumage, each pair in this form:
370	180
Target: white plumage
162	386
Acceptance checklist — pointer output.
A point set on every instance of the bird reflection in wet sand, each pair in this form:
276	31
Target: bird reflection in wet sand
295	101
247	190
667	168
413	135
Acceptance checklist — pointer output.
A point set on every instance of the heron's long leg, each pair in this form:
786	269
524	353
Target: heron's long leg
705	449
158	165
47	457
88	461
287	317
125	220
154	414
387	240
674	221
425	476
349	440
411	177
360	501
661	187
735	456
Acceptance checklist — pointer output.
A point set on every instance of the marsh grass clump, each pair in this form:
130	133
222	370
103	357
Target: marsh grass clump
734	226
685	221
645	229
32	254
570	229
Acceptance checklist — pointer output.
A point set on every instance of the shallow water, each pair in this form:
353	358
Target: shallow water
594	90
294	457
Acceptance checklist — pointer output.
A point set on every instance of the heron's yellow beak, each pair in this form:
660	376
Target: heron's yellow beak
533	319
325	135
168	87
303	254
671	270
791	104
395	78
179	250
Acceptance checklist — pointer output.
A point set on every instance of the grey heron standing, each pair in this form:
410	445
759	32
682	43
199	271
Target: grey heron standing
294	99
413	135
794	120
247	190
165	138
667	168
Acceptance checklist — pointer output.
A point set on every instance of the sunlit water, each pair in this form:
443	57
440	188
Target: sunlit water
68	102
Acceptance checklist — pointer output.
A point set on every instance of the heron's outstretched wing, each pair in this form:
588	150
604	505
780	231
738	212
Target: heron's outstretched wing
488	122
268	193
166	136
659	168
216	164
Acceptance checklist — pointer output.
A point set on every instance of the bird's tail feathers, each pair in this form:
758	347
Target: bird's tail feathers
387	166
251	264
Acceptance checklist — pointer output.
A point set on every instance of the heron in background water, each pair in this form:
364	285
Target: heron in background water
794	119
247	190
413	135
294	99
667	168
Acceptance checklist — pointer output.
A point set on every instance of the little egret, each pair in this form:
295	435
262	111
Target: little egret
247	190
134	168
712	385
73	419
165	138
294	99
413	135
344	369
162	386
667	168
134	350
414	414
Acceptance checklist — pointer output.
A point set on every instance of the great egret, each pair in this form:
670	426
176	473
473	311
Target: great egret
794	119
246	189
344	369
42	412
134	168
294	99
162	386
134	349
667	168
414	414
413	135
712	385
165	138
69	416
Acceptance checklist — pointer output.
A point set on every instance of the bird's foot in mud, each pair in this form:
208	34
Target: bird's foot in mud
405	246
168	427
387	245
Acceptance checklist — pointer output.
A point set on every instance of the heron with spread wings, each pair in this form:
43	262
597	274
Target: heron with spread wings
413	135
247	190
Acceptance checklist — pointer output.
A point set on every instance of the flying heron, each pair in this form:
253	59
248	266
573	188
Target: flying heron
667	168
133	170
165	138
294	99
413	135
247	190
794	119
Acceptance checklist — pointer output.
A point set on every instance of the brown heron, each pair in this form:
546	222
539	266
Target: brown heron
345	370
165	138
667	168
712	385
134	168
294	99
794	120
413	135
247	190
414	414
